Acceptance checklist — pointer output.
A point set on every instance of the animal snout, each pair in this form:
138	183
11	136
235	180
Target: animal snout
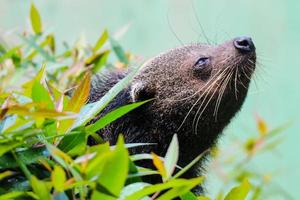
244	44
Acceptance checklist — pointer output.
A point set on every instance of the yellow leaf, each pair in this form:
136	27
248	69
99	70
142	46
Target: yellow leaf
80	96
158	163
261	126
240	192
38	113
5	174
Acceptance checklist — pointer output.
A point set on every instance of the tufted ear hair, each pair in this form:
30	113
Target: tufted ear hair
141	91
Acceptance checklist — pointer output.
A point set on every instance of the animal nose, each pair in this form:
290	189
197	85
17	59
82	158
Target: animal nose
244	44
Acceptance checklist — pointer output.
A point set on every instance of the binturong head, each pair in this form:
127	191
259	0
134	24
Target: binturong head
197	88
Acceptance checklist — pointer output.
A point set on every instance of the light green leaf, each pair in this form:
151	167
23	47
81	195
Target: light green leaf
97	107
96	165
5	147
115	169
189	196
5	174
191	164
32	44
12	195
163	186
9	53
39	94
112	116
130	189
40	188
239	192
175	192
99	195
36	22
58	177
103	38
171	157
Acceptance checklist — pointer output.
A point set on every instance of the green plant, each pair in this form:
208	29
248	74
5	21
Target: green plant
43	132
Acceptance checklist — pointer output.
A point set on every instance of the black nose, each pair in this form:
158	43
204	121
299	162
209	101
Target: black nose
244	44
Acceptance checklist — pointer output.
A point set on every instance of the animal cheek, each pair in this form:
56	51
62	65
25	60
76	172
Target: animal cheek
141	91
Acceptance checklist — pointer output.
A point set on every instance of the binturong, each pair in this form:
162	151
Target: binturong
196	89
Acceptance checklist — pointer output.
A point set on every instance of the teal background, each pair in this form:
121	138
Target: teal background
273	24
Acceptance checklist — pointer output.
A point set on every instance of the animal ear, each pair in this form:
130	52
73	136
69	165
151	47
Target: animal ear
141	91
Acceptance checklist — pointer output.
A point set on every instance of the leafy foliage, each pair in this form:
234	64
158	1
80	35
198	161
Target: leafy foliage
43	131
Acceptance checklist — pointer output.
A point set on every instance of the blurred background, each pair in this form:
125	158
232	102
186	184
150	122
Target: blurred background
157	25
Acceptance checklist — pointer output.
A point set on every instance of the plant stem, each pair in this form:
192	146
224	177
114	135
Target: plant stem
22	166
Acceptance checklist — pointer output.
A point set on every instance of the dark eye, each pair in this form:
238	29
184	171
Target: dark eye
201	63
202	68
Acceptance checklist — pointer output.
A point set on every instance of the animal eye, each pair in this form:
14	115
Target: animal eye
202	68
201	63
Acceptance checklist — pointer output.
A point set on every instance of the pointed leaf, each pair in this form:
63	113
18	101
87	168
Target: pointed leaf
158	163
112	116
120	53
171	157
40	94
40	188
58	177
103	38
239	192
97	107
115	169
36	22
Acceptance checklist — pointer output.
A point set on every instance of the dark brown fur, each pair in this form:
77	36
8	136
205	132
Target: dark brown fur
195	104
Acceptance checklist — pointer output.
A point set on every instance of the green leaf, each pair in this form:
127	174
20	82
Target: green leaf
101	61
203	198
163	186
41	95
97	107
120	53
113	115
239	192
6	147
115	169
274	132
9	54
99	195
175	192
32	44
132	188
96	165
58	177
28	156
40	188
5	174
73	144
64	160
12	195
103	38
171	157
36	22
189	196
191	164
